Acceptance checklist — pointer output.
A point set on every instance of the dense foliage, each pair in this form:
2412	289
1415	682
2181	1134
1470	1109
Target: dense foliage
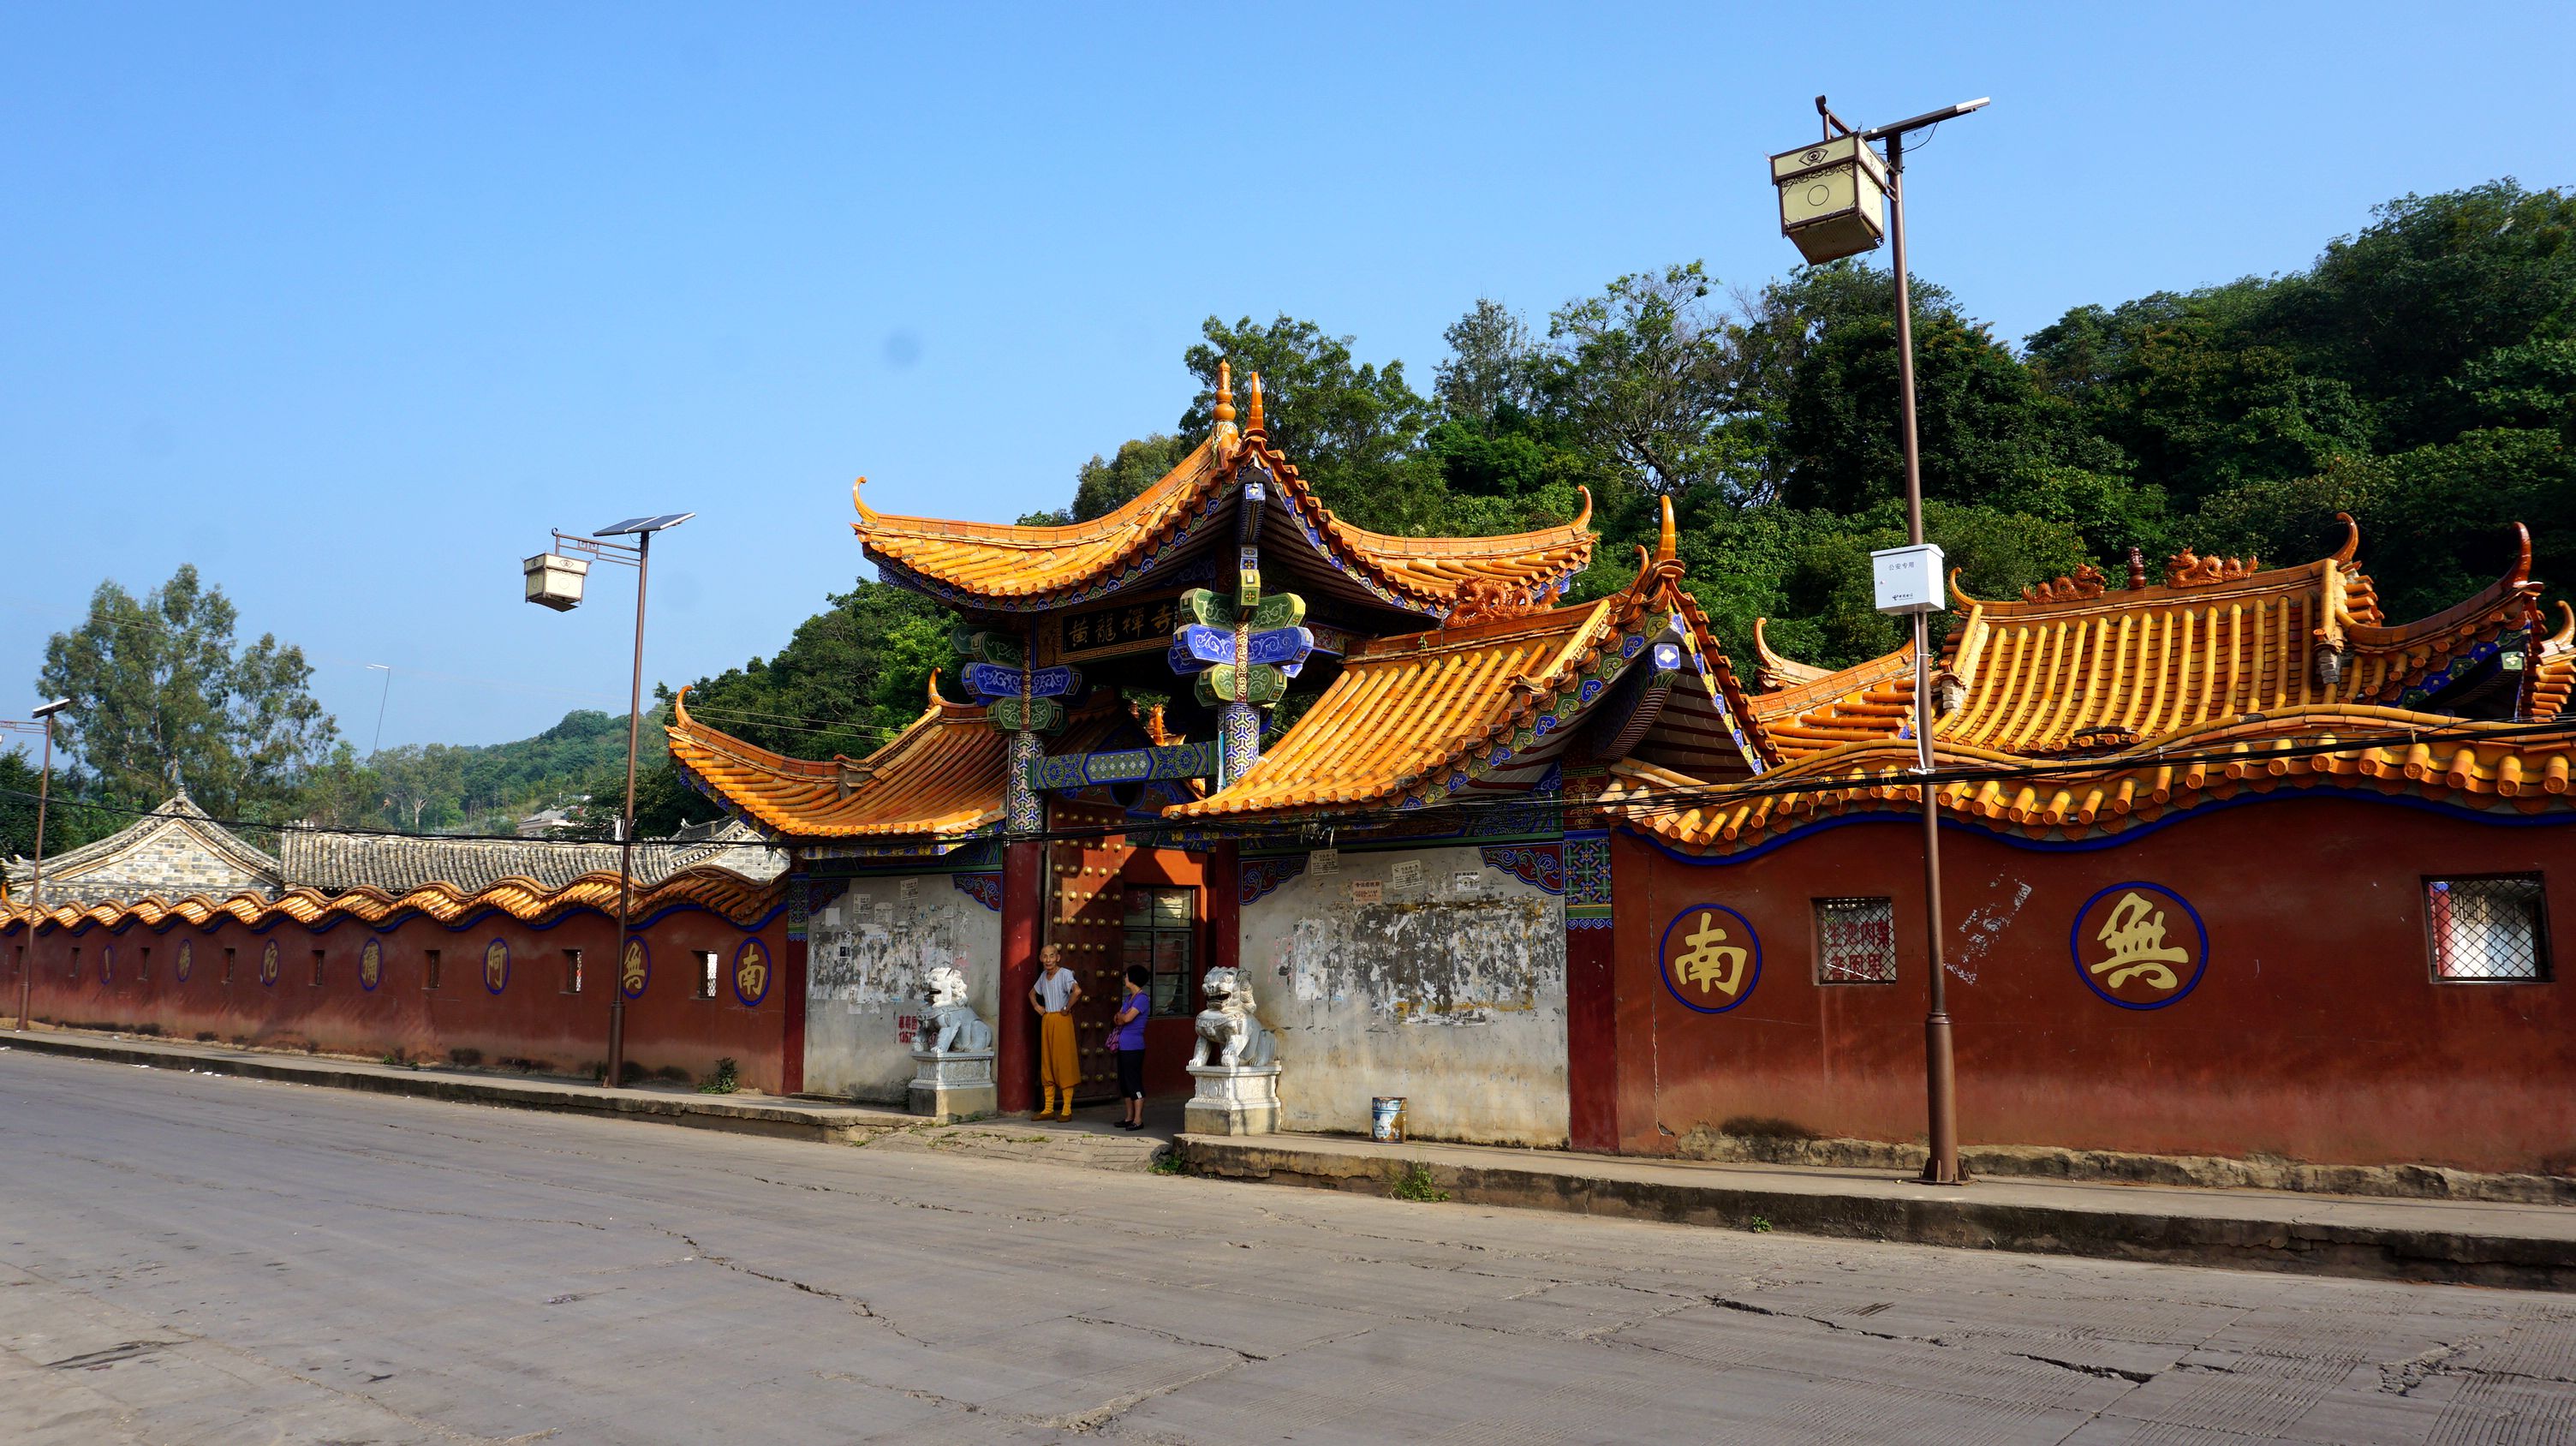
2420	374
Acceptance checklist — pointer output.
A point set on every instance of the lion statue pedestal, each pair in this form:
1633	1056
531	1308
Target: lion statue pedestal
952	1063
1235	1064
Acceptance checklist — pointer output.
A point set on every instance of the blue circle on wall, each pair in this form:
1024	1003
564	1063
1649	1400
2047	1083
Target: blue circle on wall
187	959
496	967
752	971
371	965
1711	958
107	963
635	967
2130	951
268	966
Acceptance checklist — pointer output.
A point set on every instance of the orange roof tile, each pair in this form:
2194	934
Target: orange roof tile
997	563
742	901
2476	766
1406	708
2162	660
1866	701
1412	719
942	775
2553	668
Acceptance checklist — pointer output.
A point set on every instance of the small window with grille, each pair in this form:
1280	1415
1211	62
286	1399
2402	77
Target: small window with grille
1855	941
2487	930
1160	936
708	964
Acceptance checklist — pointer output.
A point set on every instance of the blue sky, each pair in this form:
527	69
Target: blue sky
349	305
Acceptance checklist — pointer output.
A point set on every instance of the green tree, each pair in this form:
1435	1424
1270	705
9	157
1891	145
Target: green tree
163	696
1352	428
1104	484
1648	375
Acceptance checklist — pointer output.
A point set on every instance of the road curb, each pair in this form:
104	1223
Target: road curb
827	1126
2248	1241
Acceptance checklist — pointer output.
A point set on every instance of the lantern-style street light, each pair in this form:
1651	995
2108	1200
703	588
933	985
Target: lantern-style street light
1830	195
555	581
44	714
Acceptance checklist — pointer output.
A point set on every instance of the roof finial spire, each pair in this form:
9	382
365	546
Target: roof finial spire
1667	542
866	513
1252	421
1224	392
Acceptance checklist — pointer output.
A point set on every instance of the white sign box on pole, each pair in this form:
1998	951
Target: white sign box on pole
1908	578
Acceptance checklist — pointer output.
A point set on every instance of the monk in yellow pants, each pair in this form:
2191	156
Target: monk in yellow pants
1053	997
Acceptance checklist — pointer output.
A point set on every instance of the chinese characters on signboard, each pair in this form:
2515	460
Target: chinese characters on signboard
1121	627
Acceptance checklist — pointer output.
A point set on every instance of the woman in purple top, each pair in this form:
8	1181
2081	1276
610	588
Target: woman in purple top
1127	1037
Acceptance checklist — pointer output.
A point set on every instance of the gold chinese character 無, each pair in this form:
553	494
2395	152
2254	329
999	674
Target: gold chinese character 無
1711	959
2135	935
631	970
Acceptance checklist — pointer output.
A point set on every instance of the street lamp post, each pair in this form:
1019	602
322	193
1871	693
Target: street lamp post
554	580
36	880
1828	206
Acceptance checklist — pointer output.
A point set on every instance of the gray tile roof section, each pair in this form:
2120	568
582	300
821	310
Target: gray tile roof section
174	851
332	861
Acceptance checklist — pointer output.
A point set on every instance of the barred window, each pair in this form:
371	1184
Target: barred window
1855	941
2487	929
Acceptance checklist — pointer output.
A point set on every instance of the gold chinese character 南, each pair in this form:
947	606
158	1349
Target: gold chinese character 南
2135	935
1711	960
750	972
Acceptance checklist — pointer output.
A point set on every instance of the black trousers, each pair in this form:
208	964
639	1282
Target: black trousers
1131	1074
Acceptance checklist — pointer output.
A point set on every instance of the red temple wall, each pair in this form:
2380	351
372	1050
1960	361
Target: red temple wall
2317	1031
531	1019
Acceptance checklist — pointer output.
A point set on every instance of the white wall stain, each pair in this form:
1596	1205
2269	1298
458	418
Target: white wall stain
1985	924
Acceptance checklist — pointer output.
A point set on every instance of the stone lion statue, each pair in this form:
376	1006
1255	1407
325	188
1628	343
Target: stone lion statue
1227	1026
952	1025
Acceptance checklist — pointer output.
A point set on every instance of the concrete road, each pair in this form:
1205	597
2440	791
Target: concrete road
198	1259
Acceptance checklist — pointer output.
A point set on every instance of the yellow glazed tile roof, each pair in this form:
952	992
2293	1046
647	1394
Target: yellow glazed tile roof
2160	660
968	561
740	901
2056	674
942	775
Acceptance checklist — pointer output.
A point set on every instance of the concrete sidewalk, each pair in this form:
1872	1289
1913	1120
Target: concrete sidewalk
2467	1242
2472	1242
1088	1140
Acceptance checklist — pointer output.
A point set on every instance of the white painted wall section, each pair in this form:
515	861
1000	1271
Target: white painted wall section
1423	973
866	954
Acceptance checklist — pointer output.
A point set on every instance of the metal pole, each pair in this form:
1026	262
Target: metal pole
36	883
626	832
1940	1079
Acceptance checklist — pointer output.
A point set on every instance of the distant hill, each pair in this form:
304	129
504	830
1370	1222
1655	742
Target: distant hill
488	788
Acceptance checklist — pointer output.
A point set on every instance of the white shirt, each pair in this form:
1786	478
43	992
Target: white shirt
1055	990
